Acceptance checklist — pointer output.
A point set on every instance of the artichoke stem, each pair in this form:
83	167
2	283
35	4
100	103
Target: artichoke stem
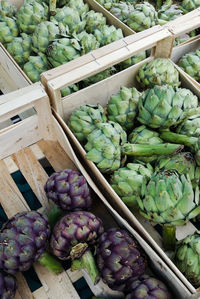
52	7
86	261
169	237
51	263
150	149
54	216
178	138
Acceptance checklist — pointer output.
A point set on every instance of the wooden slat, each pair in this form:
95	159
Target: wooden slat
185	23
106	61
56	155
33	173
56	286
40	294
15	137
11	198
23	288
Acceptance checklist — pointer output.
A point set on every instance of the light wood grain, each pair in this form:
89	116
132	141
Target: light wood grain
33	173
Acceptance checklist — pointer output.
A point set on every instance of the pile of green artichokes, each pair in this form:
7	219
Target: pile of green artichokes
146	143
39	41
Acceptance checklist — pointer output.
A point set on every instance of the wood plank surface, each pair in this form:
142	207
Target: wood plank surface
56	155
33	173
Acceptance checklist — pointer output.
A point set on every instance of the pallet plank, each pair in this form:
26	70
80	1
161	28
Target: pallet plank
23	288
14	202
56	155
33	173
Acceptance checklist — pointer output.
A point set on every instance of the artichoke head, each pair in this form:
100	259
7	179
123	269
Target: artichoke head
94	20
30	15
123	106
127	182
8	29
63	50
187	257
20	48
163	107
169	198
158	72
35	66
7	9
108	34
104	146
83	120
190	63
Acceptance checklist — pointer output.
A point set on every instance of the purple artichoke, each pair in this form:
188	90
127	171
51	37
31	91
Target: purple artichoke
8	285
146	287
75	228
119	258
69	190
23	240
71	238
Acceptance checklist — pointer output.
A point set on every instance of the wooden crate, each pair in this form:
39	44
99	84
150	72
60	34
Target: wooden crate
27	147
13	77
100	59
100	93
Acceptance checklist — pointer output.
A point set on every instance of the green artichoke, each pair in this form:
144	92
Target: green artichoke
83	120
127	182
142	135
107	3
132	60
187	258
163	107
98	77
20	48
158	72
35	66
123	106
87	41
169	12
45	33
70	19
7	9
190	63
79	6
189	5
69	89
169	198
8	29
94	20
103	146
191	127
142	17
183	163
121	10
63	50
108	34
30	15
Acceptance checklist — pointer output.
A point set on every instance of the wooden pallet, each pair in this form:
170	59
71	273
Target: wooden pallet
100	93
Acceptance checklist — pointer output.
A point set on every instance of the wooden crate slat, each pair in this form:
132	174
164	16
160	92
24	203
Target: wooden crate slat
56	155
11	198
15	140
56	286
40	294
23	288
33	173
74	275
